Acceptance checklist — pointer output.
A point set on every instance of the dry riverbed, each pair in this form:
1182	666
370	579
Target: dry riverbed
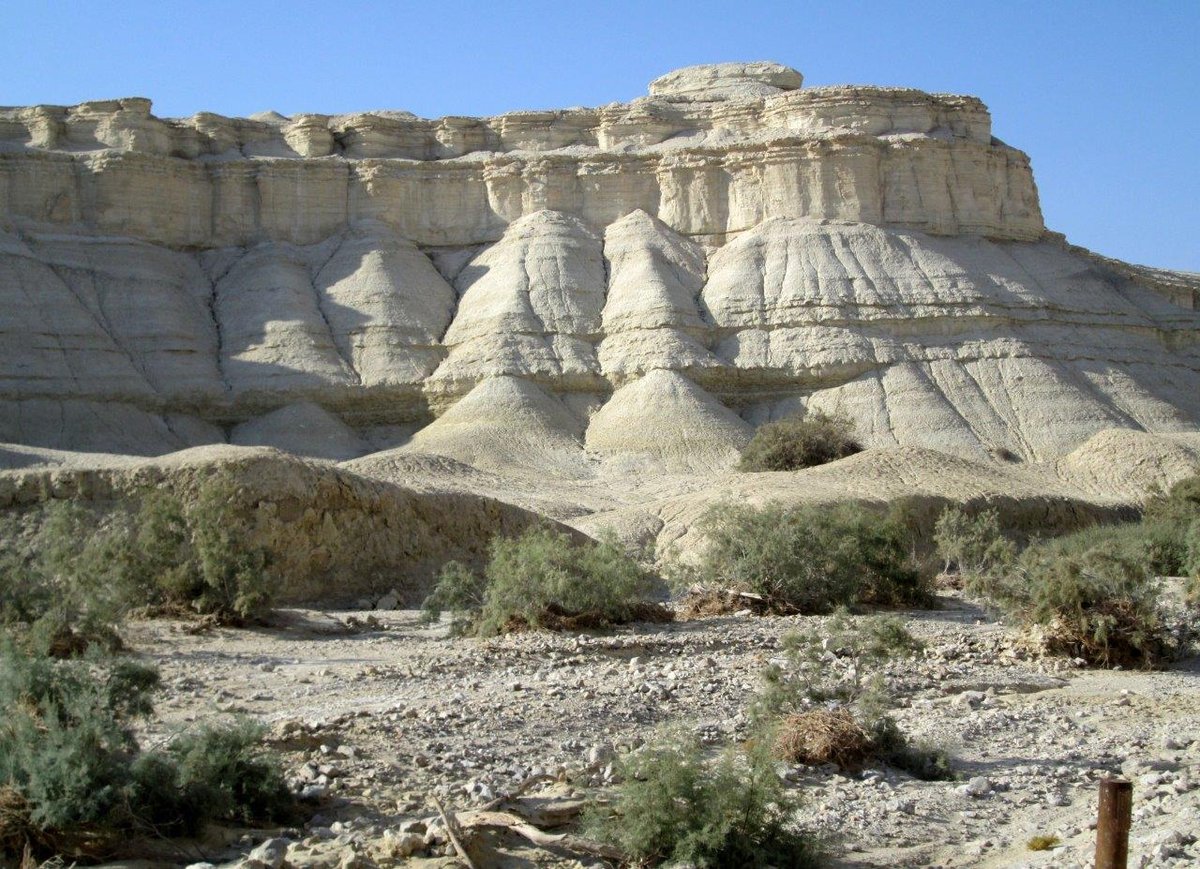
378	715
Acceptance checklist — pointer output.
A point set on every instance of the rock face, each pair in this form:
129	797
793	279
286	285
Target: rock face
637	283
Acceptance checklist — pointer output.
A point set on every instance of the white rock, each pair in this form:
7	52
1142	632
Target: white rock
583	295
270	853
978	786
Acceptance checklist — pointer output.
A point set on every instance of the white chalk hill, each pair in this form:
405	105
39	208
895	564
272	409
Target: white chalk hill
668	423
506	424
304	429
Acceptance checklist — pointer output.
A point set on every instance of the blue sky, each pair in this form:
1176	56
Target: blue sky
1104	96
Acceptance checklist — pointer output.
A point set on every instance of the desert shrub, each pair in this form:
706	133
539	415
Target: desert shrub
61	588
64	744
231	574
827	701
822	736
1166	523
811	558
195	557
972	545
226	771
916	518
923	759
800	442
1193	564
460	591
676	807
73	779
1093	596
837	663
543	579
85	569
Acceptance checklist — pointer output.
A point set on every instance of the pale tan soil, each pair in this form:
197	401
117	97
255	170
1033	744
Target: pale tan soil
402	713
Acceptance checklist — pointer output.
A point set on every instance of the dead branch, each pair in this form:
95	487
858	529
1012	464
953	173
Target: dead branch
454	833
515	824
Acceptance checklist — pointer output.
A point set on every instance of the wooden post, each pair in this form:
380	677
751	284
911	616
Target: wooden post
1112	824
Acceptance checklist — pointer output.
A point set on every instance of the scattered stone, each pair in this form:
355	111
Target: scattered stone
270	854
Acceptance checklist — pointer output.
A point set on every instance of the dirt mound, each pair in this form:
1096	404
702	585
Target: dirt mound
305	429
1029	496
1126	464
332	535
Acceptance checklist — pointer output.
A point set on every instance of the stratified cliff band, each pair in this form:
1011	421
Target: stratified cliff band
647	279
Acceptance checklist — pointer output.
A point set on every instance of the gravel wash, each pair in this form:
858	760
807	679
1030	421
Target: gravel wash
377	714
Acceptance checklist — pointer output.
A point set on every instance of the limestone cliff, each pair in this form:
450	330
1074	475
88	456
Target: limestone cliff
640	281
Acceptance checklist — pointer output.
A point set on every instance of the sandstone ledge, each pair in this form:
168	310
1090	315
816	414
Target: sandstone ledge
710	157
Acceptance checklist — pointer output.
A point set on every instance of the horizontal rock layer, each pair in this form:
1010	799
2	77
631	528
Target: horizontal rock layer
638	284
714	151
962	344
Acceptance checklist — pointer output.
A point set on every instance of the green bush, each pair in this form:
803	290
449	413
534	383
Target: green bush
812	558
61	587
230	577
972	545
74	781
226	772
676	807
1093	594
1193	564
795	443
922	759
1167	521
809	676
85	569
838	668
543	579
195	557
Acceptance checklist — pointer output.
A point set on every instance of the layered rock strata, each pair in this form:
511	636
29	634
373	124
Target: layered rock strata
639	283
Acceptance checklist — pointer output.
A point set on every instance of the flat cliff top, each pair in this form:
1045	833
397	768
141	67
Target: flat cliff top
715	105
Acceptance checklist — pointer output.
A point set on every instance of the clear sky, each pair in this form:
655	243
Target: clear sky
1104	96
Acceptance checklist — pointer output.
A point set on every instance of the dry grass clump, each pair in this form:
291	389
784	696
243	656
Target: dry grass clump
828	700
1043	843
703	602
823	736
15	827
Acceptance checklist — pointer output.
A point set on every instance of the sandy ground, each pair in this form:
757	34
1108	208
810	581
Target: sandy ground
380	719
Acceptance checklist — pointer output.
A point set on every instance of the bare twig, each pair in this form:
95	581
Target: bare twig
523	788
454	833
